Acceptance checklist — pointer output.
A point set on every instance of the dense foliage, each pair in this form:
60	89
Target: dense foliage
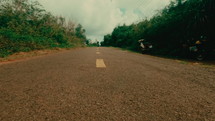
25	26
170	29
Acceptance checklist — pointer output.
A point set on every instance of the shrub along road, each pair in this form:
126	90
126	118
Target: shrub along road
98	84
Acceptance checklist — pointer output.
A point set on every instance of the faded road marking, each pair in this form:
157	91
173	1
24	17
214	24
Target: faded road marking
100	63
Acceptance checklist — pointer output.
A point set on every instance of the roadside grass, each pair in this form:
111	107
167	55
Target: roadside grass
23	46
92	46
205	63
32	54
74	44
25	55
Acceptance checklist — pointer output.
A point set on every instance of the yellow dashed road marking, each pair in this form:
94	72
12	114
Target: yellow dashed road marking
100	63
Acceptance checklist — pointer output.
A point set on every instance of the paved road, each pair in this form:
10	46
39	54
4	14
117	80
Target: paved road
106	84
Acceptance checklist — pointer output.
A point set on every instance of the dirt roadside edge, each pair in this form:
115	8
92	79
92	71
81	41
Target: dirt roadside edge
23	56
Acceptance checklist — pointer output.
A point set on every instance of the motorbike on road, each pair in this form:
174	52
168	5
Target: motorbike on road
200	49
145	46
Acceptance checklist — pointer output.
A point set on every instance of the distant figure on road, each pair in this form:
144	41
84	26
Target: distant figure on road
98	43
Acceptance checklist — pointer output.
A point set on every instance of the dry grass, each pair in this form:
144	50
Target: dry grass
26	55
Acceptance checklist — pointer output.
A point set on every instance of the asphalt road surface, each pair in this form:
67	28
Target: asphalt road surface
106	84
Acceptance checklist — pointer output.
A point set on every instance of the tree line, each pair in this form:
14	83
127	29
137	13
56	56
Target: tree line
26	26
179	24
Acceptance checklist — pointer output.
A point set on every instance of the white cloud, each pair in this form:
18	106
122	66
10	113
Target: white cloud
99	17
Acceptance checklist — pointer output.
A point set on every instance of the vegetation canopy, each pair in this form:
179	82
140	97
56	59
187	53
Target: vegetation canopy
177	26
26	26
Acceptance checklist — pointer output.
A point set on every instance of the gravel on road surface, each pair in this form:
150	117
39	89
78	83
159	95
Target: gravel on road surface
132	87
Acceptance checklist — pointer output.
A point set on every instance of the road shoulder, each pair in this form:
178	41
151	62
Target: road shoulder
24	56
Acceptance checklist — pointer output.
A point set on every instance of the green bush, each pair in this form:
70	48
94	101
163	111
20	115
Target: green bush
25	26
168	30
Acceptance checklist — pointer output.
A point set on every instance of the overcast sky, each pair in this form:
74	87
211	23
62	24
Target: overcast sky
100	17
